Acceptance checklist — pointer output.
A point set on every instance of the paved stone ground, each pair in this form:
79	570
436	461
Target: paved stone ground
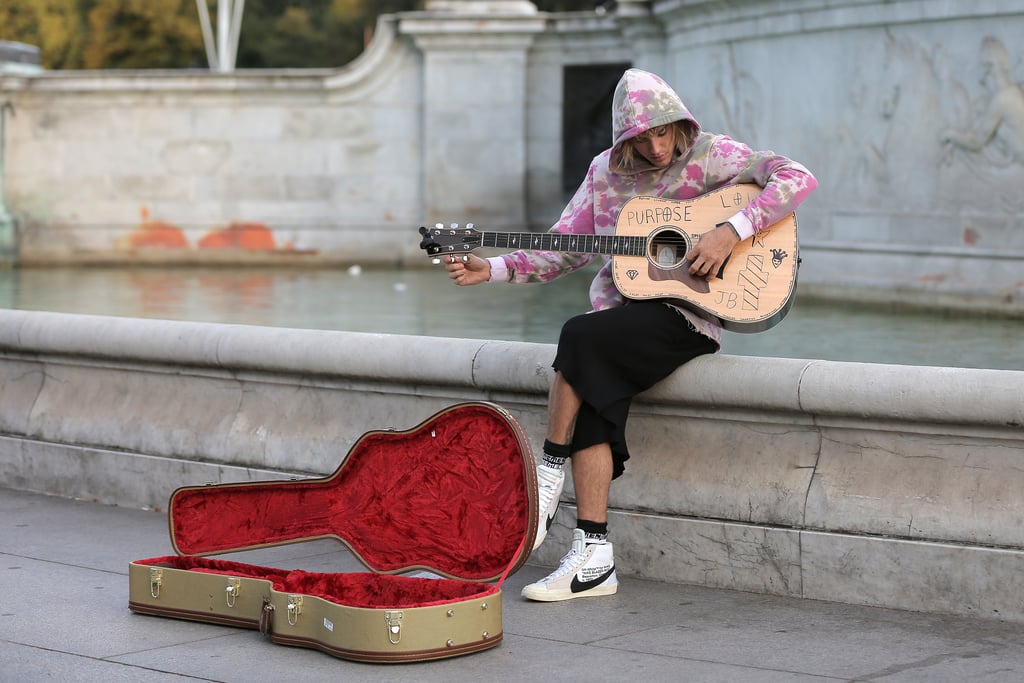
64	616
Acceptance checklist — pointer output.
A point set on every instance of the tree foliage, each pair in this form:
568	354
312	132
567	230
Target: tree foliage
310	33
143	34
57	27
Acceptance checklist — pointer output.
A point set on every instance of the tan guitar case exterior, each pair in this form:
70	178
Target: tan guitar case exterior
454	498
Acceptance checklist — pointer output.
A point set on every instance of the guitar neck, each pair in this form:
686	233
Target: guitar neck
612	245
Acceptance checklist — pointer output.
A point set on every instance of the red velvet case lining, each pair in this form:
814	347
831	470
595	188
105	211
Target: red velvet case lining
359	589
449	495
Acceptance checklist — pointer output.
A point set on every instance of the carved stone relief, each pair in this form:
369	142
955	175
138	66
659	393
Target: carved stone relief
895	95
920	136
738	97
992	137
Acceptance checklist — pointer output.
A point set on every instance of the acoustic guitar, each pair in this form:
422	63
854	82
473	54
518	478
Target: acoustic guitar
752	291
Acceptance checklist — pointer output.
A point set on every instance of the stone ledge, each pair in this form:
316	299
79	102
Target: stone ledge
760	474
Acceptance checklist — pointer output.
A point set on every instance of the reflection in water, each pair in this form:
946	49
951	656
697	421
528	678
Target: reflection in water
424	302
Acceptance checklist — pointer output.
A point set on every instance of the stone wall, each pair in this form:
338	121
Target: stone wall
910	113
868	484
192	165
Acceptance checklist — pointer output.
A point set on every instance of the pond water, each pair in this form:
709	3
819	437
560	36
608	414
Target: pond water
424	302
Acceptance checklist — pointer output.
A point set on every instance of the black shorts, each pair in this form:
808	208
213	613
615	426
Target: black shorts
612	355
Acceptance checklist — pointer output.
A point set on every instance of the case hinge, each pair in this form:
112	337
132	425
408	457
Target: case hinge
267	617
394	622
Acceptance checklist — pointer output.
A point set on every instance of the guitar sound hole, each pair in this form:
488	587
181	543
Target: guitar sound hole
667	247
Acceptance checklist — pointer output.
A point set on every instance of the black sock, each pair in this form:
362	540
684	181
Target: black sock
594	531
555	454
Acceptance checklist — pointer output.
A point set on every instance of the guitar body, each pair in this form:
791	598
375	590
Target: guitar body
751	293
754	289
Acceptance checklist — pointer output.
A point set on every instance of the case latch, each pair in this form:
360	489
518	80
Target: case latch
294	609
232	589
156	580
394	621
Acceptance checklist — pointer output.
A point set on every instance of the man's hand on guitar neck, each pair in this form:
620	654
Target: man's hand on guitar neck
710	252
467	269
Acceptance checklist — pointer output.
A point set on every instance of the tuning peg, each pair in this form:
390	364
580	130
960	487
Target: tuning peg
436	261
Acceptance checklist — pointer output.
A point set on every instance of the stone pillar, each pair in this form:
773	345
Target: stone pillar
474	109
15	58
644	32
7	236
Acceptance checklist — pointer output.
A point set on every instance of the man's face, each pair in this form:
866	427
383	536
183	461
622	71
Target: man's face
656	145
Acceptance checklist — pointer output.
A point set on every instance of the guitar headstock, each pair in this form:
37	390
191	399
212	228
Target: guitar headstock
451	240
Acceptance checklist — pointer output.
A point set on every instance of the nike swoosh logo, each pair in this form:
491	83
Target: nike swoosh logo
578	586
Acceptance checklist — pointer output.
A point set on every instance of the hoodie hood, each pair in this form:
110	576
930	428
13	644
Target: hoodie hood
643	101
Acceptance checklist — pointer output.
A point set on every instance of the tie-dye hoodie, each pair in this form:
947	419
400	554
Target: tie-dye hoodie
644	101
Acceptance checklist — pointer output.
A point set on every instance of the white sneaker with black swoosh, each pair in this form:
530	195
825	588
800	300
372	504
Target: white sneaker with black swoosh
588	569
549	489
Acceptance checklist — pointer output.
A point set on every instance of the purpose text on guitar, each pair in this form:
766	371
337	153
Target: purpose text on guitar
752	292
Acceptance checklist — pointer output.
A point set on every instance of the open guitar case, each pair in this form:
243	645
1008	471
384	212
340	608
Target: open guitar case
454	498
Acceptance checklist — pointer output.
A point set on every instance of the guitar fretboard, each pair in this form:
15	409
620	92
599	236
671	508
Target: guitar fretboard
614	245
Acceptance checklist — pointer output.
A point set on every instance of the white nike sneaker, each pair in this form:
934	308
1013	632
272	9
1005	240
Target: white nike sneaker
587	569
549	489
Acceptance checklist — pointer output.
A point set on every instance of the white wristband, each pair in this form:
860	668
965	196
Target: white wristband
742	225
499	271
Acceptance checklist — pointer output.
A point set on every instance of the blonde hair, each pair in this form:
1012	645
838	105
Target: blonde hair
682	137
